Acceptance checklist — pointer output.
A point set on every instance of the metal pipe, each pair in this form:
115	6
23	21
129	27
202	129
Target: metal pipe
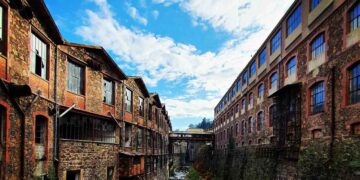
66	111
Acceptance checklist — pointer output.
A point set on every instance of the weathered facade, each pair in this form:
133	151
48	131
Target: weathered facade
63	106
302	85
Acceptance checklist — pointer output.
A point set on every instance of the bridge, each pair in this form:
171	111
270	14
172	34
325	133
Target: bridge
183	145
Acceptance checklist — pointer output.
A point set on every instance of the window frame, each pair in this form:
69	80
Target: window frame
315	92
354	19
252	69
272	82
3	30
45	44
141	106
291	66
316	49
260	126
275	43
294	20
353	78
112	101
261	90
262	57
43	122
313	4
272	115
82	80
130	109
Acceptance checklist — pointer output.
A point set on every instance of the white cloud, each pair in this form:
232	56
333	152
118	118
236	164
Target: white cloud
134	13
161	58
155	14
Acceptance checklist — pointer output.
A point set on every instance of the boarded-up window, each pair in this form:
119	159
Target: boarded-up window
38	56
75	78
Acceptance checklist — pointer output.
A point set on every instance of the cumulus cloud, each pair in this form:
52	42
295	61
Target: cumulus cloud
161	58
134	13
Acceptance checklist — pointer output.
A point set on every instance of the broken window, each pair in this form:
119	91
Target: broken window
108	92
110	173
139	138
40	130
128	129
141	106
75	78
2	30
73	175
38	56
128	100
78	127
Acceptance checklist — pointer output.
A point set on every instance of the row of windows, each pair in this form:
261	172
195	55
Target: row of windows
294	20
316	93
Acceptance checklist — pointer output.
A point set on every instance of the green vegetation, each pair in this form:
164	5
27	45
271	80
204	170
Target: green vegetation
192	174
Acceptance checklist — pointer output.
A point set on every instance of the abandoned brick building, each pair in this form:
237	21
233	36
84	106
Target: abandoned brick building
68	110
302	84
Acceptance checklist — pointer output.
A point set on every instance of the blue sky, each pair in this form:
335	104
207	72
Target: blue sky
189	51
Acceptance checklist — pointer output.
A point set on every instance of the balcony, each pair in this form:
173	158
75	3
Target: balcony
315	13
315	63
293	36
290	79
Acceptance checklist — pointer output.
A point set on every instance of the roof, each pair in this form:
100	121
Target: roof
104	53
39	7
156	98
141	82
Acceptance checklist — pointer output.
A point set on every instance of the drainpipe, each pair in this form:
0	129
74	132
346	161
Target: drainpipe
146	139
123	114
331	146
56	142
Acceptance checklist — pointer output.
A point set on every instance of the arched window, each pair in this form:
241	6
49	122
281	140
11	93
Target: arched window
243	127
251	99
291	67
317	97
317	46
260	120
273	80
251	125
243	104
355	17
261	91
354	83
252	71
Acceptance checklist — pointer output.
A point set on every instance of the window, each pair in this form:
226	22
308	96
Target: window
139	138
355	129
75	78
108	92
239	85
150	112
245	78
272	115
275	42
128	129
80	127
251	99
237	129
314	4
251	125
243	103
233	91
2	128
40	130
2	30
273	81
252	69
291	67
73	175
260	120
110	173
317	98
261	91
354	83
294	20
355	17
317	46
38	56
128	100
262	57
141	106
